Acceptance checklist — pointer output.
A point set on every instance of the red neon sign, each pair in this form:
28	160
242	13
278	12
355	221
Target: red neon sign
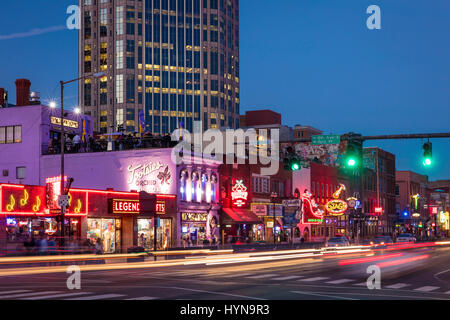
378	210
239	194
311	213
22	200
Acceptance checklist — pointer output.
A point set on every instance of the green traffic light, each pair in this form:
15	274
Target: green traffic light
427	162
295	166
351	162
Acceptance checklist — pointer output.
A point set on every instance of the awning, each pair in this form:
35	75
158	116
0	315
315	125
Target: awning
239	216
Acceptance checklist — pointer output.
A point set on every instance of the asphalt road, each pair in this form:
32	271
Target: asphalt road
422	273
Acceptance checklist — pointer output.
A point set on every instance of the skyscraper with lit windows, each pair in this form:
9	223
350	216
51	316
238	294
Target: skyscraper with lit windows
176	60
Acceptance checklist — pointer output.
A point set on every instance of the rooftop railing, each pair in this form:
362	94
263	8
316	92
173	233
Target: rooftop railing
105	145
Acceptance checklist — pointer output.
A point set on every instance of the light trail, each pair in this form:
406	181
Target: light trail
369	259
402	261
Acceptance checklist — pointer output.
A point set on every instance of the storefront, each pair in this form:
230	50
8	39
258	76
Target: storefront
240	225
112	218
266	211
28	215
193	228
126	225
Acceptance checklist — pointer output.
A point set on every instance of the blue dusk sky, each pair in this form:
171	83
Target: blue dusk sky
313	61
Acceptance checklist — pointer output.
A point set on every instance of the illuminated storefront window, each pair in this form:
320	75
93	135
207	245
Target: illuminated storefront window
193	228
146	232
108	231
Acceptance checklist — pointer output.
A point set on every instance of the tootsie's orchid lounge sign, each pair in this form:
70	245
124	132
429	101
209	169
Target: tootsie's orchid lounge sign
151	177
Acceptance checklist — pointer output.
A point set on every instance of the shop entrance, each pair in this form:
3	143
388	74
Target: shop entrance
194	233
146	233
108	231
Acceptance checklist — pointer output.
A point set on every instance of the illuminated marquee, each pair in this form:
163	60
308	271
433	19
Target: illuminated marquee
67	123
239	194
337	207
125	206
194	217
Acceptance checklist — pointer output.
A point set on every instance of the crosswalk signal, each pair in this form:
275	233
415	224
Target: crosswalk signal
428	154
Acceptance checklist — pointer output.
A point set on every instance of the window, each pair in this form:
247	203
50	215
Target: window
130	89
119	117
119	20
119	54
20	172
261	185
119	88
103	22
11	134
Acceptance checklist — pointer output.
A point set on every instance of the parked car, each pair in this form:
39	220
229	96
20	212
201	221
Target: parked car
338	242
406	237
382	241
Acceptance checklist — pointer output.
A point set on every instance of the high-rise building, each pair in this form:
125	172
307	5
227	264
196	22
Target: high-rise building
174	61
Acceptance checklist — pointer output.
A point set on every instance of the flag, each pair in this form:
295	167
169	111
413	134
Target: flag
84	130
141	121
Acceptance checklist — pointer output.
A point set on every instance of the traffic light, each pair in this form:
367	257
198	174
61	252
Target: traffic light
353	154
291	161
428	154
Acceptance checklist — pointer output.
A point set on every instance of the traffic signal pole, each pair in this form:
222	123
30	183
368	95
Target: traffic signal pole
390	137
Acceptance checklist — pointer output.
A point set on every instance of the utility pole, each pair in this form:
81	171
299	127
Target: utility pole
62	191
273	197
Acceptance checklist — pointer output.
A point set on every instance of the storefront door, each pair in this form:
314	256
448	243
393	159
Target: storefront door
146	233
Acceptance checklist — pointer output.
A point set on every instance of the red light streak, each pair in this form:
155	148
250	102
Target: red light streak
410	245
369	259
402	261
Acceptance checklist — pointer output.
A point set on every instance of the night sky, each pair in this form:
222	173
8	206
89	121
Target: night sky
314	61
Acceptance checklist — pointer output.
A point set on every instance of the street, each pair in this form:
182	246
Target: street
417	273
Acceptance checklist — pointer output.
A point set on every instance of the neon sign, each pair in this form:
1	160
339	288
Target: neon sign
152	177
337	207
239	194
160	207
22	200
378	210
37	205
311	212
352	202
125	206
12	204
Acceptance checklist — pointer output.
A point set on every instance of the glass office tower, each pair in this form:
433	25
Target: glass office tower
172	61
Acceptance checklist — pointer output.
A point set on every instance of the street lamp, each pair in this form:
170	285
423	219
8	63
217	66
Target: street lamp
273	198
62	191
